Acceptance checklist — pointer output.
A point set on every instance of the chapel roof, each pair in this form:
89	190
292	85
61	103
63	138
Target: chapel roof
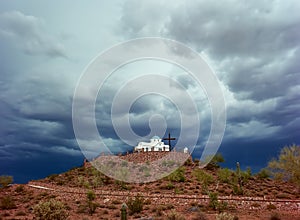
156	137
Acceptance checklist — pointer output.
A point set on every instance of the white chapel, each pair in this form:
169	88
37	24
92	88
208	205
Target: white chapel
155	144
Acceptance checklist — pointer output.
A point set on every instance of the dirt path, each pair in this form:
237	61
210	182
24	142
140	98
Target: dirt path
247	203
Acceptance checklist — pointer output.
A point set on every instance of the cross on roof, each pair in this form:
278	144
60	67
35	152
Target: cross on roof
169	138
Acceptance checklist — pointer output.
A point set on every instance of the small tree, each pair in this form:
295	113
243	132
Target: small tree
213	200
5	181
287	166
215	161
90	195
90	204
263	173
135	205
50	210
177	175
7	202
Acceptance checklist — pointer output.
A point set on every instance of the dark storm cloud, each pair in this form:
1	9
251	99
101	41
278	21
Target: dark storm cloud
29	33
35	118
252	46
254	49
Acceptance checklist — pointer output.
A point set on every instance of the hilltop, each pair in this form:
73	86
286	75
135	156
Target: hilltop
187	193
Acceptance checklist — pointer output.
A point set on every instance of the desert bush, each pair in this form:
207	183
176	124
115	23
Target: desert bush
283	196
214	161
158	210
7	203
188	162
263	174
122	185
167	186
90	204
168	163
200	216
135	205
222	206
177	175
226	216
246	175
271	206
174	216
203	177
237	189
90	195
52	177
111	207
215	204
213	200
20	189
5	181
224	175
178	191
287	166
256	205
105	212
116	202
50	210
20	213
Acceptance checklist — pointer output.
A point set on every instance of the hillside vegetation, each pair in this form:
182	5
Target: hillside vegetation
187	193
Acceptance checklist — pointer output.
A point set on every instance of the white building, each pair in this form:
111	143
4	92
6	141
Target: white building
155	144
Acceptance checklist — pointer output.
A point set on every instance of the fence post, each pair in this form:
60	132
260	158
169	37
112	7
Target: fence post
124	212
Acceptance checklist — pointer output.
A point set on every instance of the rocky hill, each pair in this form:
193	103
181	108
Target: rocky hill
187	193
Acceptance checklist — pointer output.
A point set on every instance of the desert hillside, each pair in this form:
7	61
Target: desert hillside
187	193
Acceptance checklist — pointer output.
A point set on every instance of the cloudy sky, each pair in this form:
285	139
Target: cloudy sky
253	48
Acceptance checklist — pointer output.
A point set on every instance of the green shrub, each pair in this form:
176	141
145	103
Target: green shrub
92	207
226	216
224	175
214	161
20	189
7	203
283	196
200	216
167	186
90	195
271	206
52	177
203	177
135	205
178	191
263	174
286	167
177	175
188	162
215	204
50	210
213	200
5	181
122	185
174	216
237	189
20	213
116	202
168	163
246	175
